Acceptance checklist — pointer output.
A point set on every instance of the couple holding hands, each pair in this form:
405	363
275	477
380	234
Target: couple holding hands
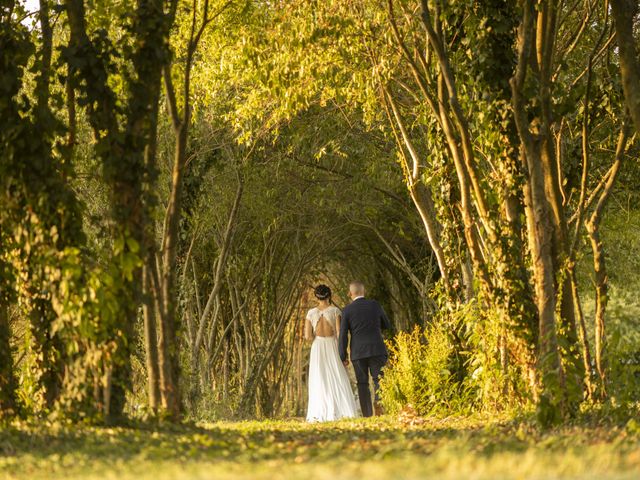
360	324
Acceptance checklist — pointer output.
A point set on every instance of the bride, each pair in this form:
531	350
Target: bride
330	394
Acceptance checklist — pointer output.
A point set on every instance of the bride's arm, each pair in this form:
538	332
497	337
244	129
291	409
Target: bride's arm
308	330
338	320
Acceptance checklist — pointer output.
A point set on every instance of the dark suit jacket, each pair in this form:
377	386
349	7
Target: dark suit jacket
364	319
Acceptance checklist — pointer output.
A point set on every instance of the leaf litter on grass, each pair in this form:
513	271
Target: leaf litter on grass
406	446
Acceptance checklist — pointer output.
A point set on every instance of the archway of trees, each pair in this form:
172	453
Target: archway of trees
314	206
177	174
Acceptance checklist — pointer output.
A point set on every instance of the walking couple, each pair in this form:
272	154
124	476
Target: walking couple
362	321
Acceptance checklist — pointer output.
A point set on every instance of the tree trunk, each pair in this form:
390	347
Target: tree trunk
624	12
7	375
217	285
169	364
423	200
540	230
467	277
540	244
123	152
567	334
44	75
151	342
600	270
582	335
599	263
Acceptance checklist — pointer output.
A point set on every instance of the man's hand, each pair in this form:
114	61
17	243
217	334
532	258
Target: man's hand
345	363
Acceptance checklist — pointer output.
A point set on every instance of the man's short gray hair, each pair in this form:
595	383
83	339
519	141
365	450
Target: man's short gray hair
356	288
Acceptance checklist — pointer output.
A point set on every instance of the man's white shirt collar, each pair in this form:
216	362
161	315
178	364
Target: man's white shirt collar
360	296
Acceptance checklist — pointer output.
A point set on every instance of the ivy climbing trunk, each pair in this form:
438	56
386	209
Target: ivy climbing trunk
122	151
546	32
40	210
560	393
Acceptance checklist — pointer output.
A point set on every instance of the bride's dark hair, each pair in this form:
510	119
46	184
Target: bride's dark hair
322	292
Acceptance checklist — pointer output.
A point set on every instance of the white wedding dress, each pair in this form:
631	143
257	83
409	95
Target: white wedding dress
330	394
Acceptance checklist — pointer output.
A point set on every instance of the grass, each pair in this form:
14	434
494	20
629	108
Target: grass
369	449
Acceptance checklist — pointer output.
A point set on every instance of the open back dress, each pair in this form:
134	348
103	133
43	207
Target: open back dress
330	393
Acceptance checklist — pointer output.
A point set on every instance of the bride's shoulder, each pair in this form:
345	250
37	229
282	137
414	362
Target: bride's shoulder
337	310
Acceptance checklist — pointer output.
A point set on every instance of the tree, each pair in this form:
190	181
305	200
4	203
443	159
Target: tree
125	151
624	13
42	215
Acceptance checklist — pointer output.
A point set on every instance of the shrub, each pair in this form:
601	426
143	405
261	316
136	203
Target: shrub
421	373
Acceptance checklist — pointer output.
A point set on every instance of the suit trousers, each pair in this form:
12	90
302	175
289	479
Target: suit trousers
363	367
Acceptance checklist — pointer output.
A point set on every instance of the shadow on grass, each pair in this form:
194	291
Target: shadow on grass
234	442
290	441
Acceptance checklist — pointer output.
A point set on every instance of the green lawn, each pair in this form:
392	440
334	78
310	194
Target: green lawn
374	449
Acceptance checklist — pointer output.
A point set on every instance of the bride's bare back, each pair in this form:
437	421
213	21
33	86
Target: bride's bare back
324	328
319	325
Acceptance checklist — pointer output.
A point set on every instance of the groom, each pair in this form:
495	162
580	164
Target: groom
364	319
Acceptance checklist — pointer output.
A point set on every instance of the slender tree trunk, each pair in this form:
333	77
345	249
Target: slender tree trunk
600	270
423	200
225	371
168	348
599	263
421	194
217	285
624	14
71	112
151	342
7	375
43	78
582	335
